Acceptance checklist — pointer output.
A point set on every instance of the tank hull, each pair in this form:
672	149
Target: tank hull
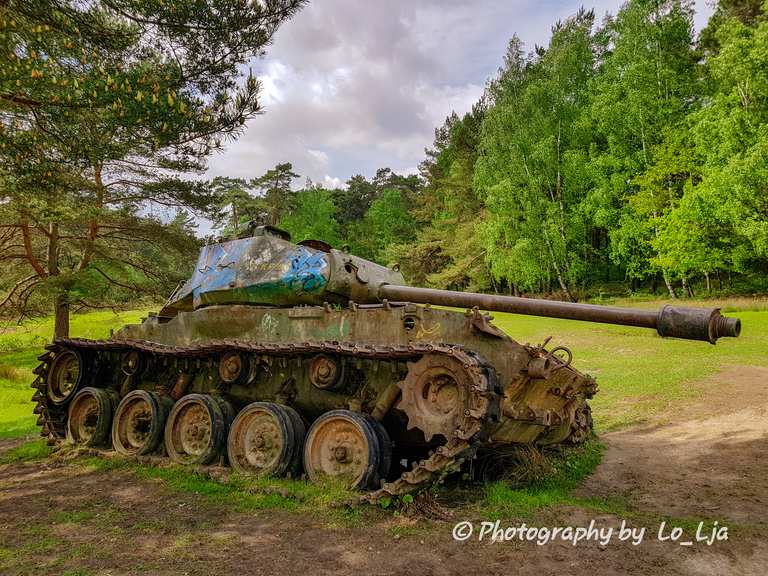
533	409
390	363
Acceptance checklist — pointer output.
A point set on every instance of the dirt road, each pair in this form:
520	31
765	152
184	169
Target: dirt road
710	461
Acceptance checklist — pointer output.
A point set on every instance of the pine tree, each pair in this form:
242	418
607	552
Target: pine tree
105	107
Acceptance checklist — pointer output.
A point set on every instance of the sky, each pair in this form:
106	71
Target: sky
349	86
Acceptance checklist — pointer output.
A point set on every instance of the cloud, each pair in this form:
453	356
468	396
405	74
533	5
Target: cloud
350	86
332	182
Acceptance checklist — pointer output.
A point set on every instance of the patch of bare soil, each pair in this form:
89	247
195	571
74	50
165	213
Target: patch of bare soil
709	463
10	443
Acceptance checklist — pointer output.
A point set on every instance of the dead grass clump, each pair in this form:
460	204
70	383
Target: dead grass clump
518	465
12	373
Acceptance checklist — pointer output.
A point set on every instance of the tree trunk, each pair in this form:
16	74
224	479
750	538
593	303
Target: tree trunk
558	273
709	283
61	326
687	290
670	288
93	223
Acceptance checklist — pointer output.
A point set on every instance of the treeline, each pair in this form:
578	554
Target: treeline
626	151
370	217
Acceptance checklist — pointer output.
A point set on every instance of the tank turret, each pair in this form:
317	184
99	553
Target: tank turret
268	269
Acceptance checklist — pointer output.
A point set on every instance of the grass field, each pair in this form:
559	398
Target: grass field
19	348
639	374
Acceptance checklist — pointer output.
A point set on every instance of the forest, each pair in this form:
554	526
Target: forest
627	156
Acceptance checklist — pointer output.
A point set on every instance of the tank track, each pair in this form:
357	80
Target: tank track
480	410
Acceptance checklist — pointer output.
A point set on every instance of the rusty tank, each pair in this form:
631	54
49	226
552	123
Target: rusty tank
291	359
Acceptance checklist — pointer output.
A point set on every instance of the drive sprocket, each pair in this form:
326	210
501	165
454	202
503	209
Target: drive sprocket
435	395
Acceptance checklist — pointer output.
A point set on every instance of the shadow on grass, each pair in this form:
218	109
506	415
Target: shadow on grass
566	470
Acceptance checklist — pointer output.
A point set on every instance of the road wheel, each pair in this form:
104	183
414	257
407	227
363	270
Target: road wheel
137	428
386	447
266	439
344	445
196	430
90	416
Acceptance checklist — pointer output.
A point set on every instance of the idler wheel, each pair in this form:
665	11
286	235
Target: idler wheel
65	376
196	429
139	422
325	372
266	439
347	446
90	416
233	367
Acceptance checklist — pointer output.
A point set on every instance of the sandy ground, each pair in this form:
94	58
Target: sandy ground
709	462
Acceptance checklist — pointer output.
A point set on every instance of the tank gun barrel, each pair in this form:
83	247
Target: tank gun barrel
705	324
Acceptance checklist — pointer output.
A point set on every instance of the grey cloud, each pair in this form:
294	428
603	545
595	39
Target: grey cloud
351	85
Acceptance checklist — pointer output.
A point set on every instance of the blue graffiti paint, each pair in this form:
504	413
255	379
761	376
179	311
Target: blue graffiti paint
307	271
248	271
216	270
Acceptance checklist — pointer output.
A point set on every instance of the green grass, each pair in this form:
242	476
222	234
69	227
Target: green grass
36	333
72	516
27	452
38	542
639	375
19	348
567	471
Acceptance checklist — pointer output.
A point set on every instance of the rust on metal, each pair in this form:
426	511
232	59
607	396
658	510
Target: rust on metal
131	363
337	448
231	367
64	376
324	372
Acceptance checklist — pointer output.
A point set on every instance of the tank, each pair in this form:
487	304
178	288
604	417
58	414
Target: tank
288	359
